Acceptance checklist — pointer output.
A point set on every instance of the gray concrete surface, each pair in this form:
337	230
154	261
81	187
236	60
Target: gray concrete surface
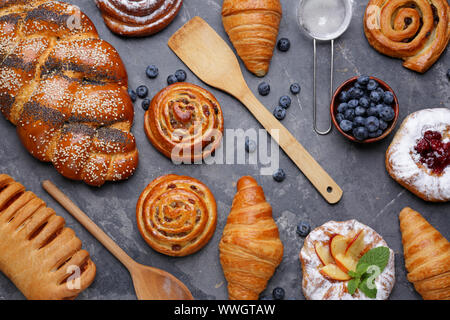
370	195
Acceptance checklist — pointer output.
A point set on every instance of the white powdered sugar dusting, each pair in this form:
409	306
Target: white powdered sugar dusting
317	287
404	160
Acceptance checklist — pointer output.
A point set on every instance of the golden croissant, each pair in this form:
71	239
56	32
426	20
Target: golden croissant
250	248
427	256
252	26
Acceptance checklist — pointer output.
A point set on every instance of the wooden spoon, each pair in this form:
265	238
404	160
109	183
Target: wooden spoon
213	61
149	283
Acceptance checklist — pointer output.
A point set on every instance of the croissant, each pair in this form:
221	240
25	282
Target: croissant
427	256
250	248
252	26
66	91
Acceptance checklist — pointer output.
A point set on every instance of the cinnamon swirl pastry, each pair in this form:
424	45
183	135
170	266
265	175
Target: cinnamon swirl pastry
184	122
416	31
176	215
138	18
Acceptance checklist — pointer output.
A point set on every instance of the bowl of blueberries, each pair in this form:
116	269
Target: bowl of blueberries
364	109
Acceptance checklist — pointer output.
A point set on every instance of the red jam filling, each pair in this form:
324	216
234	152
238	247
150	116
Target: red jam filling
434	153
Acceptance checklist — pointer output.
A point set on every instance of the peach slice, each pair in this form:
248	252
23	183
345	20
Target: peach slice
356	246
331	271
338	244
347	258
323	252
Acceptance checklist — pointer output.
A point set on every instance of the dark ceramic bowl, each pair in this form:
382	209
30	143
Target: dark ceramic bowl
335	103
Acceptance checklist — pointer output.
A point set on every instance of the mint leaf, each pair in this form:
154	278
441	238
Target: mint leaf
352	285
376	257
369	290
353	274
361	268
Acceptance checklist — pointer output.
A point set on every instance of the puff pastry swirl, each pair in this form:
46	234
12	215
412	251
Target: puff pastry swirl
176	215
41	256
416	31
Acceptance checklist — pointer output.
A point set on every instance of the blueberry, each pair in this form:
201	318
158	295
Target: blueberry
364	102
250	145
279	175
357	85
152	71
352	92
285	102
372	123
142	91
358	93
387	114
346	125
361	133
372	111
339	117
344	96
380	91
295	88
383	124
145	104
372	85
278	293
375	134
283	44
359	122
132	94
360	111
353	103
264	88
172	79
303	228
363	80
375	96
342	107
388	97
279	113
181	75
349	114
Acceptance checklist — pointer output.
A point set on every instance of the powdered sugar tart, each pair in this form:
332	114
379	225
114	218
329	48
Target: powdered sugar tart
317	284
419	156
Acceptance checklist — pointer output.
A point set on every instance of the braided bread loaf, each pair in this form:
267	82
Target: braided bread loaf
66	91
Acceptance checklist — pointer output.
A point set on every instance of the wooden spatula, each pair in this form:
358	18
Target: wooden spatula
149	283
213	61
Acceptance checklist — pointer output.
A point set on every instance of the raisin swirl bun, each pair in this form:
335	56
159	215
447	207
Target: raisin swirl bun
138	18
66	91
184	122
176	215
416	31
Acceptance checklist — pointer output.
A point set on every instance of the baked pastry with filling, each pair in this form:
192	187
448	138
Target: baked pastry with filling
331	251
419	155
41	256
